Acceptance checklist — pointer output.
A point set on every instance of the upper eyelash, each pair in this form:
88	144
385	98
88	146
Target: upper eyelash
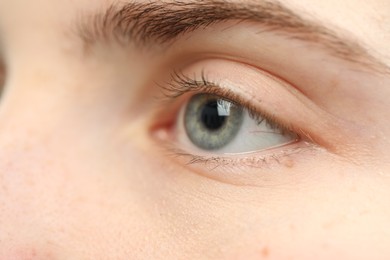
181	84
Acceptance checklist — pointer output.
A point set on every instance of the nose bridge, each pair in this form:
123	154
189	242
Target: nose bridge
30	172
51	138
45	119
24	192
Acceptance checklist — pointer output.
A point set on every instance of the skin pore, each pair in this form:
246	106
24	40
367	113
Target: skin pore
94	163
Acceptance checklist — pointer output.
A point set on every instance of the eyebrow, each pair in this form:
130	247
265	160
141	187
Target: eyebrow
160	22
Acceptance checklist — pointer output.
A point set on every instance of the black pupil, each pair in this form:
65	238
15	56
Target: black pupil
210	116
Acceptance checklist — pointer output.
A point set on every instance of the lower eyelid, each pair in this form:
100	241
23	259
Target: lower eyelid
248	169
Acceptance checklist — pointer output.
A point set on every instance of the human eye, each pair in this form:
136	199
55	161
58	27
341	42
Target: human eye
224	124
228	116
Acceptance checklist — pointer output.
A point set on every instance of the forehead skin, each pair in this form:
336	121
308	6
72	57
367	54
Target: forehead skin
367	21
75	183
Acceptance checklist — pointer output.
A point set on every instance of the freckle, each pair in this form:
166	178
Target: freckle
265	252
288	163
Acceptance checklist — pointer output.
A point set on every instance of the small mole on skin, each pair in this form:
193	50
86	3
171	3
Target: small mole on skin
288	163
265	252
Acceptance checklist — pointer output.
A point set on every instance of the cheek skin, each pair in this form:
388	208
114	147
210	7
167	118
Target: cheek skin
292	219
26	254
194	217
328	217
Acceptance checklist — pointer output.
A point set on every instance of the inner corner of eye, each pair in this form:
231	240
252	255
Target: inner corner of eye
162	124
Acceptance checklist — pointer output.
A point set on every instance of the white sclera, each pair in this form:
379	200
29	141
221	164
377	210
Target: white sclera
255	137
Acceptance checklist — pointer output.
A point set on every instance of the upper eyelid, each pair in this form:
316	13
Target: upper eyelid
180	83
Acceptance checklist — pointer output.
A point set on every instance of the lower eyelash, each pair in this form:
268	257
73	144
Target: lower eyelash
250	160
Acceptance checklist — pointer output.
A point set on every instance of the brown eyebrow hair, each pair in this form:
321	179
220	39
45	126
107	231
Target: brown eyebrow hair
163	22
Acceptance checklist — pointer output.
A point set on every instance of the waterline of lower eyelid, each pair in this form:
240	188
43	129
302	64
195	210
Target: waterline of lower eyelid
258	159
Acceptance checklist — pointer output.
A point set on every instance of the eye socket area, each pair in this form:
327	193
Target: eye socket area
221	108
296	128
300	130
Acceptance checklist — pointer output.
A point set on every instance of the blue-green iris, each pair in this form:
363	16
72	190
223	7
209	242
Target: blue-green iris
212	122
